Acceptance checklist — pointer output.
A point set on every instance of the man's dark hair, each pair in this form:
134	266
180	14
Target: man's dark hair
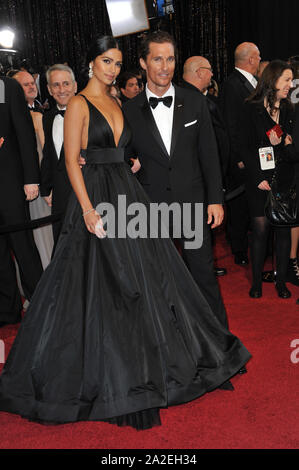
158	37
124	77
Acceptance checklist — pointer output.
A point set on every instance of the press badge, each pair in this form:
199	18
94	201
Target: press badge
266	155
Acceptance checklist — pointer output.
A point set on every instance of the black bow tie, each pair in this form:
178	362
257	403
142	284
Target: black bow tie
60	111
167	100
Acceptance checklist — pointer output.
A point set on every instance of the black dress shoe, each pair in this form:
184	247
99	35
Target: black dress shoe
242	371
282	291
220	271
241	258
255	292
227	386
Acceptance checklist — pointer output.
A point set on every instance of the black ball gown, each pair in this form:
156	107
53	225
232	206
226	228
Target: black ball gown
117	328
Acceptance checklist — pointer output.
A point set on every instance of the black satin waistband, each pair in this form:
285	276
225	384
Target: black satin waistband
105	155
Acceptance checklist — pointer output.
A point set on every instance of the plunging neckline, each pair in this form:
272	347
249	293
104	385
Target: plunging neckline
108	124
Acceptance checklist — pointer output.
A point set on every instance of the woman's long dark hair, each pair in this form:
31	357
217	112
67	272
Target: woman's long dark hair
98	47
266	85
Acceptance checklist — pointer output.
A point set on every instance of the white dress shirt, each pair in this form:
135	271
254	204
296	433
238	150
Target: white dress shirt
163	116
249	76
57	132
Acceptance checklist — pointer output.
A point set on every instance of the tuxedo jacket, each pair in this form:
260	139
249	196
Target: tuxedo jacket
53	170
191	173
233	94
19	158
218	126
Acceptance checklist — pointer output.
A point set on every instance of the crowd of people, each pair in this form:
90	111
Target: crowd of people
119	306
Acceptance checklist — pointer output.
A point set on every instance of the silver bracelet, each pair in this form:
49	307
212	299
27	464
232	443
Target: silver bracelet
87	212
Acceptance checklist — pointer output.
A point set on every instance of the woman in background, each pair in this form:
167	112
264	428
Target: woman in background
269	106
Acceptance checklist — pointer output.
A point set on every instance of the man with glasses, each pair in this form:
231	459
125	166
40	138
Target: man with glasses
197	76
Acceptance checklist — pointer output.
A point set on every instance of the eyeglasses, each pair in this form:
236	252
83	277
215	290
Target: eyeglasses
207	68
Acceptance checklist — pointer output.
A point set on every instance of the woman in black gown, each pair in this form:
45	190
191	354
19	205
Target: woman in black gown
269	106
117	328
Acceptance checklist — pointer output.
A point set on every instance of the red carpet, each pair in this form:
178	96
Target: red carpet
262	412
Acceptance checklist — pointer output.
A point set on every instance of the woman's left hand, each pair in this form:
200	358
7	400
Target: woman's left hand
264	186
288	140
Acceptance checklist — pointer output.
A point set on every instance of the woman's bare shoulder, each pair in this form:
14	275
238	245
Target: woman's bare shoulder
77	103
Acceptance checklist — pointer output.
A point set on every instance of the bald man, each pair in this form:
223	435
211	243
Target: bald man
238	86
197	76
28	84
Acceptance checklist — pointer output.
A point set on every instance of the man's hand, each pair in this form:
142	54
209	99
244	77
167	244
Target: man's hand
1	142
136	165
81	161
215	211
31	191
241	165
48	199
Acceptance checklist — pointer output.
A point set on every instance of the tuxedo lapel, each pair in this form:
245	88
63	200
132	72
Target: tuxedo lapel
244	80
177	118
151	125
248	85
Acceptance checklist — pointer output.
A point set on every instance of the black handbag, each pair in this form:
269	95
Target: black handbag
281	207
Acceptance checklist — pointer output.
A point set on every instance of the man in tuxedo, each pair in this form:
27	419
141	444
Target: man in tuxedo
175	143
28	84
238	86
197	77
19	179
55	186
128	86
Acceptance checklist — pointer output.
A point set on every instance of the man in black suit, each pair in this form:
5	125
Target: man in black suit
19	179
128	85
238	86
175	143
55	185
28	84
197	77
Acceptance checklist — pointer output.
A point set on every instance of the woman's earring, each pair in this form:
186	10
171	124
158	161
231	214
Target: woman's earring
114	82
90	72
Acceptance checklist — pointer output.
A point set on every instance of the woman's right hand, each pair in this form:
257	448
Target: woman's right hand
274	139
94	224
264	186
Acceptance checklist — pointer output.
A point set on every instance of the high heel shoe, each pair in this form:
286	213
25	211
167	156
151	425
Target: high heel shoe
255	292
282	291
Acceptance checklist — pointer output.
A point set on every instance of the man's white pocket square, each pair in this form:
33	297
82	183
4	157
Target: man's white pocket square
190	123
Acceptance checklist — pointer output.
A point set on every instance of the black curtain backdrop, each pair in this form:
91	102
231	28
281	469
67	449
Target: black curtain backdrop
50	31
271	24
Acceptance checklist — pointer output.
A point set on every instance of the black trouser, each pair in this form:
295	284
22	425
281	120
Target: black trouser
10	299
237	224
200	263
21	244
